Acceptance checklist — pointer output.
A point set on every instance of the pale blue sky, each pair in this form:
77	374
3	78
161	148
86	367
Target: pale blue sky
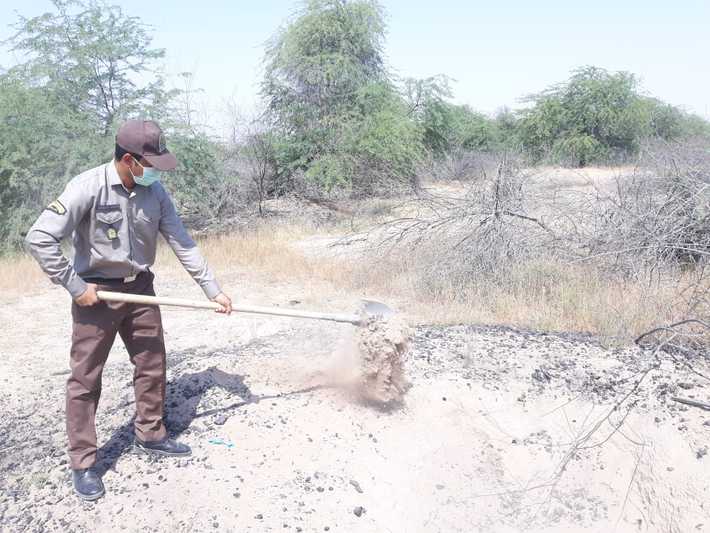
497	50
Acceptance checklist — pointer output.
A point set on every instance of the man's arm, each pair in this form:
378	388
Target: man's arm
43	240
186	250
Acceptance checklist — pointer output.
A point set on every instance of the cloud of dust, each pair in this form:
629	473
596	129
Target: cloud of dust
370	363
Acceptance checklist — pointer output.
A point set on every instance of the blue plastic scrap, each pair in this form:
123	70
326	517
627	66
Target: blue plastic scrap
222	442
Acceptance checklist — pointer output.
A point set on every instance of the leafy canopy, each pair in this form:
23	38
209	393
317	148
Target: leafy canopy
594	116
329	95
95	58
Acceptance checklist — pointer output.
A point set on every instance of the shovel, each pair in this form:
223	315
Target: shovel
368	309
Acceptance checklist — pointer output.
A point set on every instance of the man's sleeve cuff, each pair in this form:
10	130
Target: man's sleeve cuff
211	289
76	286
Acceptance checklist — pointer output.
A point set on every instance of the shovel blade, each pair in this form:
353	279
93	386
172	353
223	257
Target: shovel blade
373	308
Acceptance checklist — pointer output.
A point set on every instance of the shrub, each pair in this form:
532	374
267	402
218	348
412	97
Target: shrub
597	115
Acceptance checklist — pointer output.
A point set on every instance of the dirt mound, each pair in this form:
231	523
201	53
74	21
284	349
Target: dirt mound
382	347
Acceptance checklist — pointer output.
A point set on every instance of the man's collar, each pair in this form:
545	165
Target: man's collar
112	174
114	179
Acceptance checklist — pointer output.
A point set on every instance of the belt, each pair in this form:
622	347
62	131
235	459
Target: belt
127	279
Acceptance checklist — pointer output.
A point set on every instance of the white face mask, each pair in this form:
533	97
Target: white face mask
150	175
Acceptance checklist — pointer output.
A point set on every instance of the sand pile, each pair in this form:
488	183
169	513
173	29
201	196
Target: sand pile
381	349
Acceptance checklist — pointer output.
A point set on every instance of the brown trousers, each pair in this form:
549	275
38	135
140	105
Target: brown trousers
94	330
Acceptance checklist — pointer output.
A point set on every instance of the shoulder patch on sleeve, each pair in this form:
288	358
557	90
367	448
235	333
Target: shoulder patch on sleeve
57	207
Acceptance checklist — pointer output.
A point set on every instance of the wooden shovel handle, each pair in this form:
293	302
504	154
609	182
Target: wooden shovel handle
201	304
155	300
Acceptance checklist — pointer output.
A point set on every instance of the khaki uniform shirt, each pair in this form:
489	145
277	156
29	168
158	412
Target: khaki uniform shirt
115	232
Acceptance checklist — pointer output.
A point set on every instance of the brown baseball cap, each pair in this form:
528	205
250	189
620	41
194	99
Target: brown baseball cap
145	138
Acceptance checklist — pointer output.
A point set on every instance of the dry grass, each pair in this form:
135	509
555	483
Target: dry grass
20	274
263	252
540	295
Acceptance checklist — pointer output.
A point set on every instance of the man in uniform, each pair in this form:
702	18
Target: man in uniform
115	212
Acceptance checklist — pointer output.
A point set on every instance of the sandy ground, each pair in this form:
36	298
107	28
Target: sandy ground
502	430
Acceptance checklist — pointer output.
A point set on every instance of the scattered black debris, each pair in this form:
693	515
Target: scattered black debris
542	375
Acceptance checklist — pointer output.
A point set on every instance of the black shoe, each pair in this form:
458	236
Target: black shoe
167	447
87	484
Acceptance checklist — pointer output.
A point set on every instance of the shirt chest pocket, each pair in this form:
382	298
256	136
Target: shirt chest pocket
108	224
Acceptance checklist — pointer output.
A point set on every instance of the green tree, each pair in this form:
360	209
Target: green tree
593	116
382	142
445	126
428	107
91	56
472	130
506	127
59	108
43	143
325	82
199	185
671	123
319	60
